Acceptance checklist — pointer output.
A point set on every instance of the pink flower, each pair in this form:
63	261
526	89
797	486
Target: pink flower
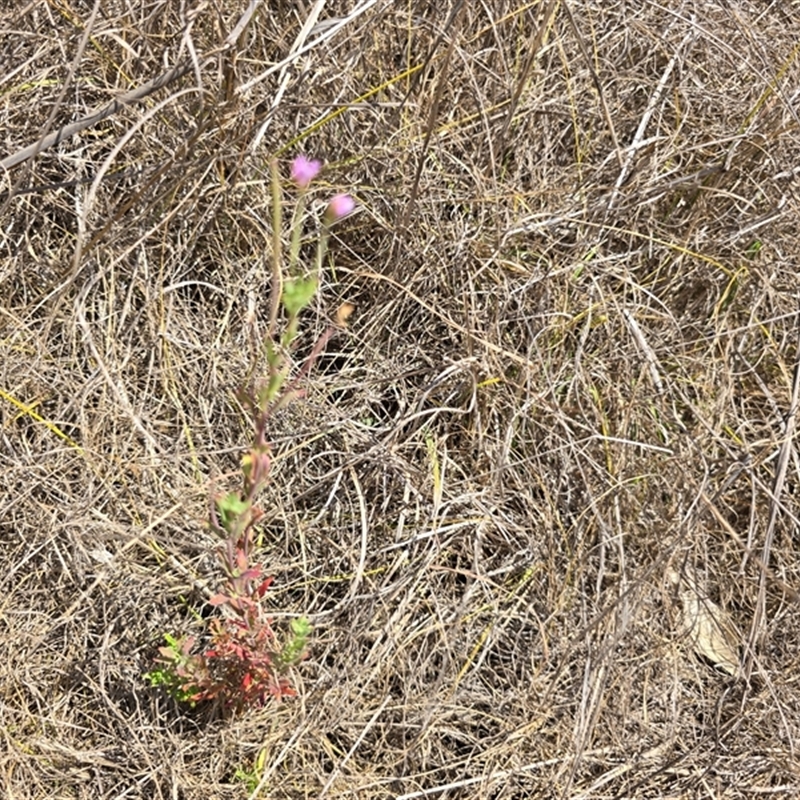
304	171
340	206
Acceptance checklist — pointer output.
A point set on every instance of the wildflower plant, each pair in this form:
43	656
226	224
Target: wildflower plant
239	661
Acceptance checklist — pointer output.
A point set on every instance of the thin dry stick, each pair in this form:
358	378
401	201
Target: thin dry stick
329	33
492	776
595	678
91	194
638	137
117	387
126	99
283	79
41	144
757	626
649	355
533	54
299	732
131	543
432	115
491	346
791	593
244	20
115	105
276	289
362	558
599	86
356	744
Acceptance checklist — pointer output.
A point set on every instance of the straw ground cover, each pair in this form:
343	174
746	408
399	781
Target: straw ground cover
539	499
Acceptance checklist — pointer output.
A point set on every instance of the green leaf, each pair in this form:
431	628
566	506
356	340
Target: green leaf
172	665
297	294
301	627
295	649
231	507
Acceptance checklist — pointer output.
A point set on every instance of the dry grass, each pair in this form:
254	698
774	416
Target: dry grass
569	375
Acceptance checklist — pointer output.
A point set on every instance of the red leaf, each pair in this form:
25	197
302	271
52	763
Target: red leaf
219	599
236	604
261	591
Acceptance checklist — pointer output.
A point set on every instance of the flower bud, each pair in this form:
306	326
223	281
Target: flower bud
340	206
304	171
